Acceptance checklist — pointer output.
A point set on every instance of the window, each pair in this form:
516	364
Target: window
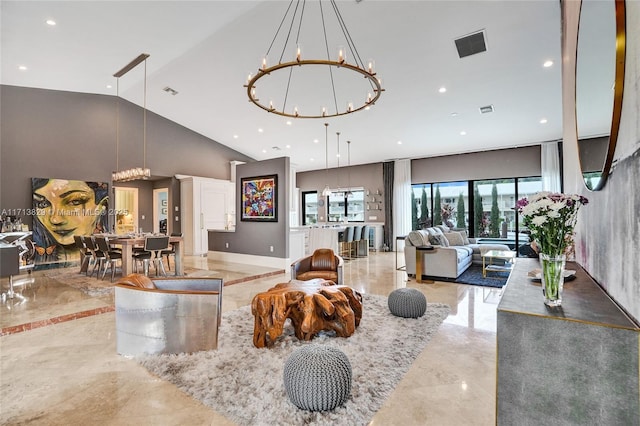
309	208
486	208
344	206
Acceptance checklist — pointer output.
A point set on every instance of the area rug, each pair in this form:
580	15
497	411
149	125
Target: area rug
245	383
473	276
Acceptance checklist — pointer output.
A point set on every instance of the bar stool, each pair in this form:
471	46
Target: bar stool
363	249
345	242
357	236
153	247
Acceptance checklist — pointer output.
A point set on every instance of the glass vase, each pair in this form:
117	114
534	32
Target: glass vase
552	278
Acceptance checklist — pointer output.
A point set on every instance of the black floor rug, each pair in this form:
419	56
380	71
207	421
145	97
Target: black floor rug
473	276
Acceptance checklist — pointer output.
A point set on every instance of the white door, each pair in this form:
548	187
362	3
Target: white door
213	198
126	209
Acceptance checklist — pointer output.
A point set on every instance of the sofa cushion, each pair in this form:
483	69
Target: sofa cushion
454	238
325	275
462	253
137	280
465	237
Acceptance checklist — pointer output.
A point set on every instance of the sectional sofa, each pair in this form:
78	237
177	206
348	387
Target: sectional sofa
454	253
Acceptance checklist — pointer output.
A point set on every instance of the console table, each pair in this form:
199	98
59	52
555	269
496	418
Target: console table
572	365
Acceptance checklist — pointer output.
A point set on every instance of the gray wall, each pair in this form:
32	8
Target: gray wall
367	176
255	238
47	133
608	227
503	163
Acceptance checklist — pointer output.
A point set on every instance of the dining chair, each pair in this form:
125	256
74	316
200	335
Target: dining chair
172	250
85	254
111	257
97	257
153	247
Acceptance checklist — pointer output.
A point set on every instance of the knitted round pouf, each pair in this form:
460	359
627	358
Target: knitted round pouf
407	303
317	377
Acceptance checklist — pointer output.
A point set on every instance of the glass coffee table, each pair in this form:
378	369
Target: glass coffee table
488	257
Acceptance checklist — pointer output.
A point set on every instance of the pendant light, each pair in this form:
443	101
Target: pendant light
349	194
338	157
326	191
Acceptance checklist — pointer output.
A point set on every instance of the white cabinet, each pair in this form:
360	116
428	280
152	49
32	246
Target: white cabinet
205	204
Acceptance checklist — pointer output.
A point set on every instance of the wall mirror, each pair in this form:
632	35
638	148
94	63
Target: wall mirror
600	61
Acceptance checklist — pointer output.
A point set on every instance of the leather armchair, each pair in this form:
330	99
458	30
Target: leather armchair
323	263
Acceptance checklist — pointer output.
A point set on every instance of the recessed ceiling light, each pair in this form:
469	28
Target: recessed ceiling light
315	141
22	68
264	151
287	146
442	89
543	121
547	64
260	130
289	123
51	22
109	86
454	114
235	136
399	142
312	159
462	133
367	108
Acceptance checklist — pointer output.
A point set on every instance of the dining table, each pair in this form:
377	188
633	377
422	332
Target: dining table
129	242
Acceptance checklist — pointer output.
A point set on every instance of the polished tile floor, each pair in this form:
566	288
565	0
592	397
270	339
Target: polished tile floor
67	372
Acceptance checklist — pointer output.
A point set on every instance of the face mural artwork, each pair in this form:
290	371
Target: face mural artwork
63	209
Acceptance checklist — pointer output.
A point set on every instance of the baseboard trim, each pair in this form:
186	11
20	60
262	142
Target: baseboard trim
267	261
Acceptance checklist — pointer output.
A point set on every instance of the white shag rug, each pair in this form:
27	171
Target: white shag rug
246	385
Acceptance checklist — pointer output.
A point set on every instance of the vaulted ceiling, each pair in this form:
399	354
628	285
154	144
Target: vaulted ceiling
205	50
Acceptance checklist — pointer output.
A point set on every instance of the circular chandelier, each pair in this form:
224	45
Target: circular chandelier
293	18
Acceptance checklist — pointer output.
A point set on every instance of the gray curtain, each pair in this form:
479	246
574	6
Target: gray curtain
387	178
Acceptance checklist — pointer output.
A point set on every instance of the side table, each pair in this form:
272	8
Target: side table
419	263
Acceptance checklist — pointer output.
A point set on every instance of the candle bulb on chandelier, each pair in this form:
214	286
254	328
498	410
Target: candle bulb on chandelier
340	54
370	67
264	63
324	111
295	111
298	53
270	104
368	98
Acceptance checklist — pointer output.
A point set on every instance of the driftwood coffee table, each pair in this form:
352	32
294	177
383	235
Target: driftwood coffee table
312	306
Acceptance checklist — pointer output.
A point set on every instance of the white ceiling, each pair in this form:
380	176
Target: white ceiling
206	49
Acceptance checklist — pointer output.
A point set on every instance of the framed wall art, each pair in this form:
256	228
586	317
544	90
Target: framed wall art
259	197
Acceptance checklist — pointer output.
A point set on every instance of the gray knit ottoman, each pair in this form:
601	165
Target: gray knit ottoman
317	377
407	303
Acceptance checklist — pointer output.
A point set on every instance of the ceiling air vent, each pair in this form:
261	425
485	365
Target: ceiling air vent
486	109
471	44
170	91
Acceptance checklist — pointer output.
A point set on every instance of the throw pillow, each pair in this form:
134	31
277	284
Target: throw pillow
465	237
454	238
433	239
439	240
443	228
